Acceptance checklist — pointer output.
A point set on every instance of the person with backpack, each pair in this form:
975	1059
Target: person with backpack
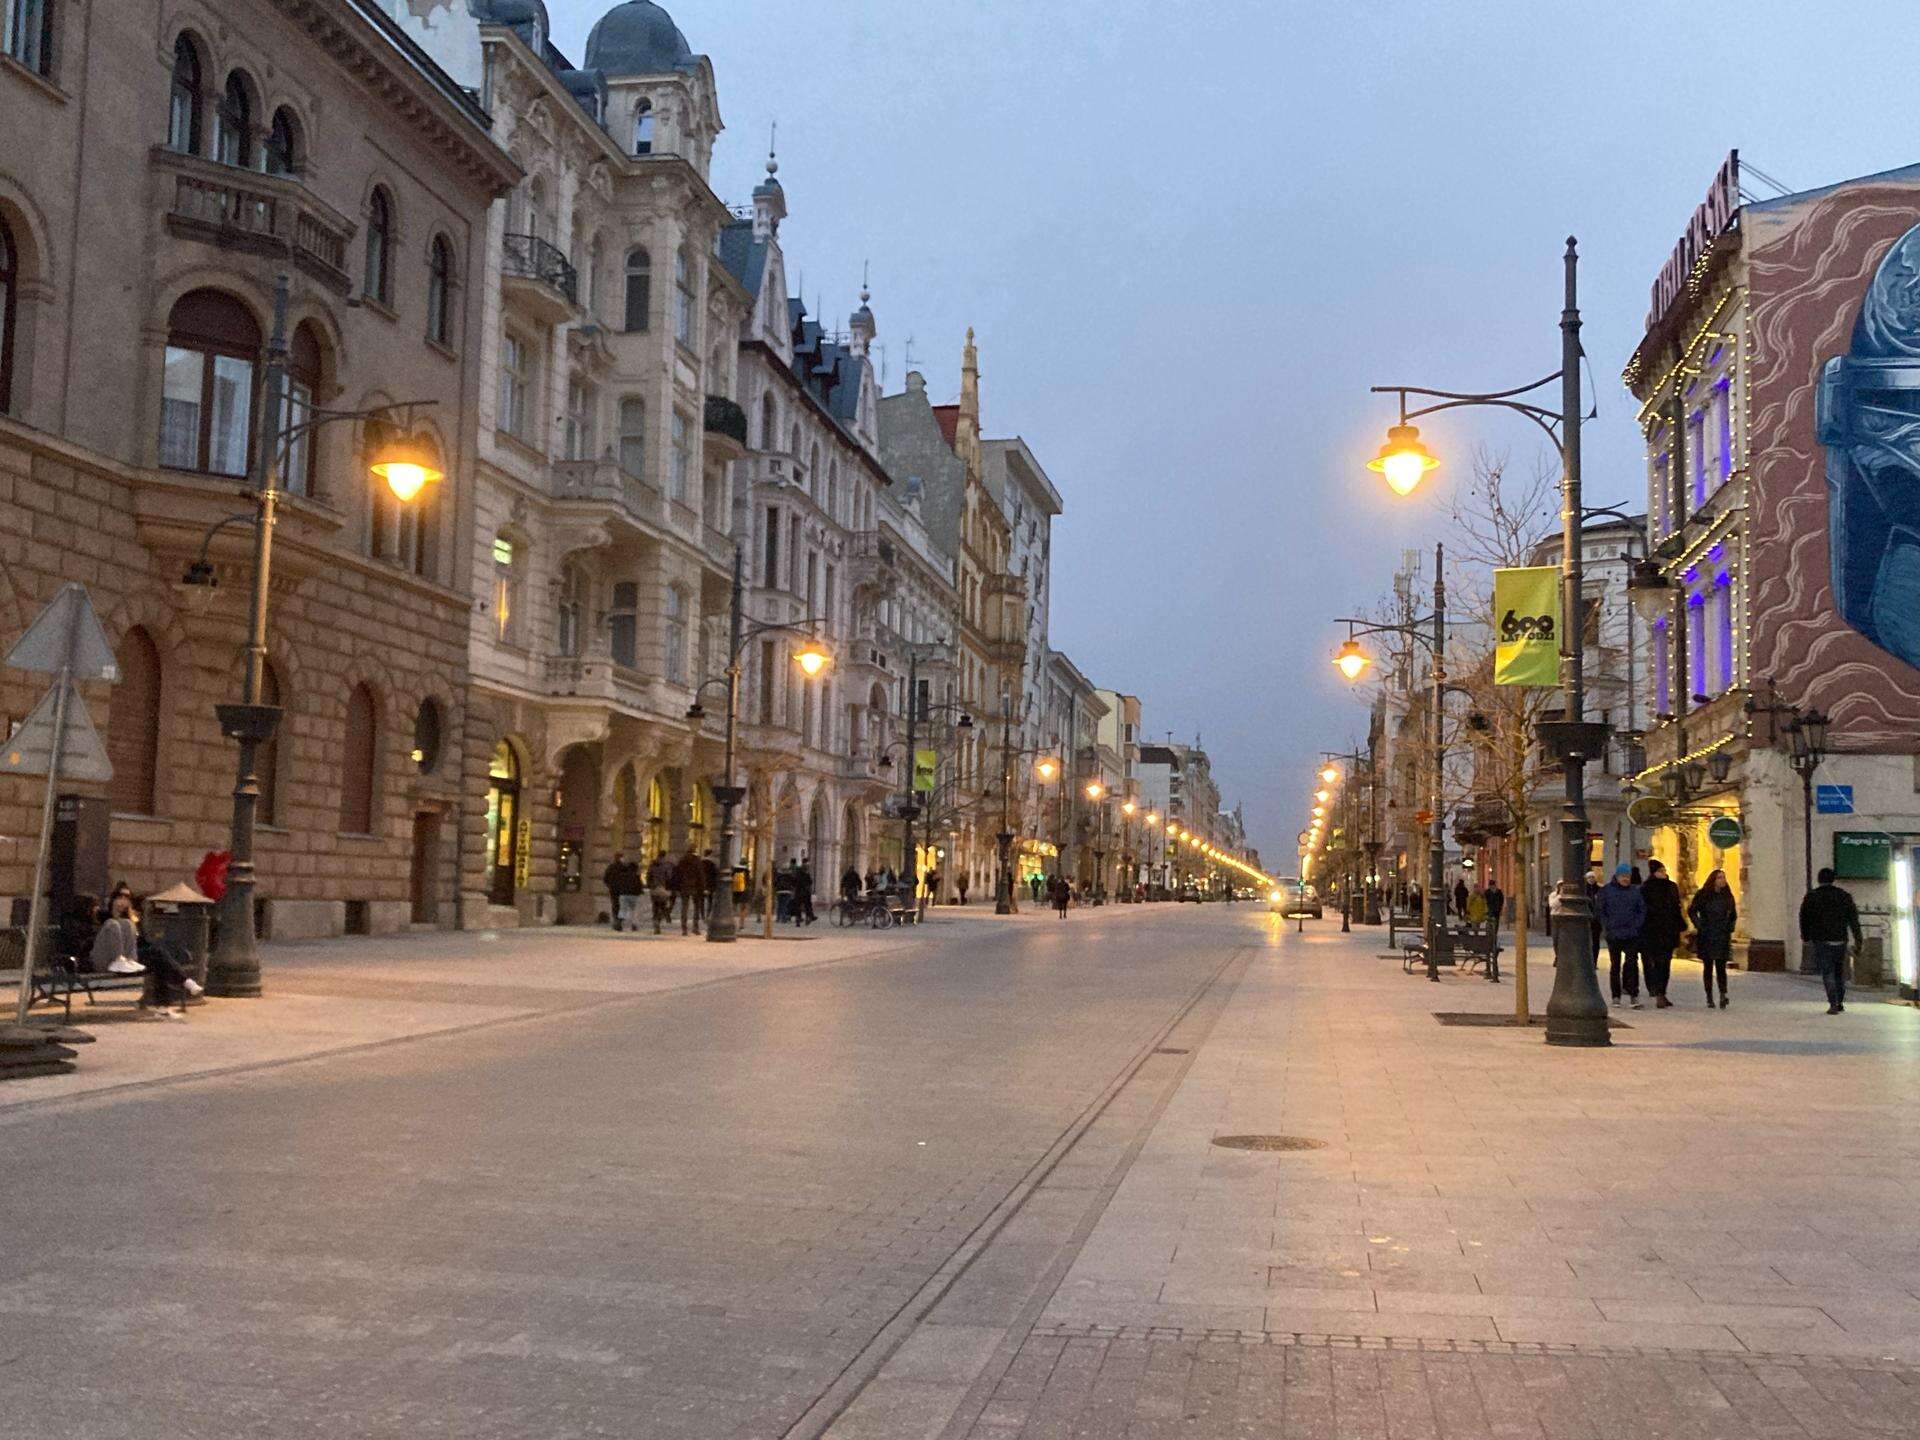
1828	917
1713	914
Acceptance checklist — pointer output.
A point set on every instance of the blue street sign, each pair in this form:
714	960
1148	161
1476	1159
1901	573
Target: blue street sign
1833	799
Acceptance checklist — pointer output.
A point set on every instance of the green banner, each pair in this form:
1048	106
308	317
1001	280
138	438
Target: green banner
1862	854
1526	626
924	764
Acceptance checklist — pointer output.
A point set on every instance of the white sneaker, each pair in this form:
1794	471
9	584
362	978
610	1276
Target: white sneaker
193	987
170	1014
121	965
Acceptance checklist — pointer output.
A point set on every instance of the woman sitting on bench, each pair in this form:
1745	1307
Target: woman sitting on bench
120	949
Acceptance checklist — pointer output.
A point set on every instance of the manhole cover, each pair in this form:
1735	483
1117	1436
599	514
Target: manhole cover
1492	1018
1268	1142
1168	1050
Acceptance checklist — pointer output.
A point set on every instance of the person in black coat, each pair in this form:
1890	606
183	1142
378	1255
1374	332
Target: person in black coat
1713	914
1660	931
1828	919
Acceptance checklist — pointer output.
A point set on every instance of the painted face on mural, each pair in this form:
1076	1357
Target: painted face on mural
1869	417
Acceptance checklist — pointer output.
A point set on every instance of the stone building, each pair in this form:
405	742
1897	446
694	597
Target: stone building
818	563
224	146
1031	504
1780	482
601	553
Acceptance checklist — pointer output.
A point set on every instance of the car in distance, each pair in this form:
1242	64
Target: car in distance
1291	897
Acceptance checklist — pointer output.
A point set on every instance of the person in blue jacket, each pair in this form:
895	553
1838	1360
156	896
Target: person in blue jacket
1622	912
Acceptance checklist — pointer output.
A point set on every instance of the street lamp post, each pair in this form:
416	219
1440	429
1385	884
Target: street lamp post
407	463
1576	1013
723	923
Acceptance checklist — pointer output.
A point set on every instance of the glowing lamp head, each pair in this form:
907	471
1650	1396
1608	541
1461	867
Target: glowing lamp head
1095	790
1128	807
1330	774
1153	817
1323	795
812	658
1319	811
1047	769
408	462
1403	459
1351	660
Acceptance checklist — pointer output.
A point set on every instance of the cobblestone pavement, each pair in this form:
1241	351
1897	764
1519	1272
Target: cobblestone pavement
1706	1231
687	1213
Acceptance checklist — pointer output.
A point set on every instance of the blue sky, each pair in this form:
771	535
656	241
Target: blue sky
1191	235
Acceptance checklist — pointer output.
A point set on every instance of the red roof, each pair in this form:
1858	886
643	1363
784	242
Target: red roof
947	417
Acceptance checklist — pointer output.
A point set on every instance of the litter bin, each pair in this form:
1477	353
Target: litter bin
186	916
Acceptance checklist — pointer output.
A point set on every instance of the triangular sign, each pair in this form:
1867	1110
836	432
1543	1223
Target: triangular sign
66	628
82	756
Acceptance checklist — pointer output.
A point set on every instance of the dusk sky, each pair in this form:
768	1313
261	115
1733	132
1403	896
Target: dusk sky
1191	236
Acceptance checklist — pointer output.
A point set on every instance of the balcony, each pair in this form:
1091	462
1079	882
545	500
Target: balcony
244	210
725	424
538	277
870	560
602	482
1003	583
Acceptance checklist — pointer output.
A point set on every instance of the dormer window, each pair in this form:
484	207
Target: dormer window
643	129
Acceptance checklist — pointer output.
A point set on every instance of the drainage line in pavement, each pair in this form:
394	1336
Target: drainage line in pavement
845	1388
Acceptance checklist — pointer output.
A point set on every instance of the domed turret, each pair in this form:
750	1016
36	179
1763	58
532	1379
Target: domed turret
638	38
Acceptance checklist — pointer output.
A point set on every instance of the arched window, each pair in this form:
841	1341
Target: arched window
9	292
508	574
233	123
303	382
357	763
683	315
503	811
282	153
26	33
769	422
833	488
674	655
379	284
439	291
570	629
426	736
639	288
206	403
266	760
183	109
633	436
133	726
643	129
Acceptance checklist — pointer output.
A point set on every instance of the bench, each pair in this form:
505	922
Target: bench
56	977
1467	949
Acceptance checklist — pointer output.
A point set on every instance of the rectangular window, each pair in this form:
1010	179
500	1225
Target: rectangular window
181	382
770	566
633	437
1721	612
578	436
1696	645
1697	445
682	456
683	300
826	608
506	608
813	582
623	631
1662	668
27	23
766	682
1723	431
513	386
297	458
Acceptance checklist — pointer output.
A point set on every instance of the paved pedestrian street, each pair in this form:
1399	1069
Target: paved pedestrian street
961	1183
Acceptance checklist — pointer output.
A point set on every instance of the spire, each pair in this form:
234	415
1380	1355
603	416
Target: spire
769	200
861	327
966	436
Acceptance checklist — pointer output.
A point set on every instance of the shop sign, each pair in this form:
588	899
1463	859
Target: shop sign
1862	854
1713	217
1724	833
1833	799
523	854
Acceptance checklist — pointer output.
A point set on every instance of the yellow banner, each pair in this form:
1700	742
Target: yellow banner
1526	626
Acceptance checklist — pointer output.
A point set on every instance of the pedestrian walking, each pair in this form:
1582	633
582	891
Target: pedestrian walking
689	882
933	887
1660	931
1593	912
1713	913
849	885
660	882
1477	908
1622	912
1460	898
1062	894
614	877
803	893
960	883
1036	882
1828	917
1496	904
711	874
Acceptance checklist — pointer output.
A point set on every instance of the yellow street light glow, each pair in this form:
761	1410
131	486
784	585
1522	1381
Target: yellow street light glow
1048	769
1153	817
1352	660
1403	459
1319	811
1127	807
812	657
1323	796
1095	789
408	463
1330	774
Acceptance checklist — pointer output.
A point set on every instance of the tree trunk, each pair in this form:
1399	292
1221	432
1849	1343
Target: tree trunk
1521	919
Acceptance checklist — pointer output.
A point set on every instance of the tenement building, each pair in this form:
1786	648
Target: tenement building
164	167
601	554
1774	382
